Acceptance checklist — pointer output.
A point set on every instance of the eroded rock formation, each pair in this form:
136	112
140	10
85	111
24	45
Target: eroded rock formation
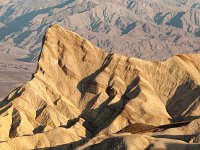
81	95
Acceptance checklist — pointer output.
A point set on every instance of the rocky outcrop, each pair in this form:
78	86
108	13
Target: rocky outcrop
80	92
150	30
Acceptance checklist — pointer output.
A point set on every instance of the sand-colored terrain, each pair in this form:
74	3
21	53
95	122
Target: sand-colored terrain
80	97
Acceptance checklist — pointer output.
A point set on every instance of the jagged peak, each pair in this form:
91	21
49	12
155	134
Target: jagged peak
79	87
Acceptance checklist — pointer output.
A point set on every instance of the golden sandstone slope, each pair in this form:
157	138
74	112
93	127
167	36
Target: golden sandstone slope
81	95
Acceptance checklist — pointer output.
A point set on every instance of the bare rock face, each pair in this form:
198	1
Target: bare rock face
81	95
146	29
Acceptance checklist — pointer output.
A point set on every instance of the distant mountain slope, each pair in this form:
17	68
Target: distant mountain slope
145	29
13	73
81	94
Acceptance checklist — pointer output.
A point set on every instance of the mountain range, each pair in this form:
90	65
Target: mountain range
150	30
156	29
82	97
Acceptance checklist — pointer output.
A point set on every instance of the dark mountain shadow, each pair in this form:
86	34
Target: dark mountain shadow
185	100
33	56
8	100
106	112
112	110
131	5
83	87
8	13
187	118
129	28
159	18
17	23
197	33
185	138
174	146
84	83
70	146
176	20
116	108
109	144
183	146
21	21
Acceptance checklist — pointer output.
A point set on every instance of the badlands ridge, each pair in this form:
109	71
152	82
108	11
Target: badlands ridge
82	97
